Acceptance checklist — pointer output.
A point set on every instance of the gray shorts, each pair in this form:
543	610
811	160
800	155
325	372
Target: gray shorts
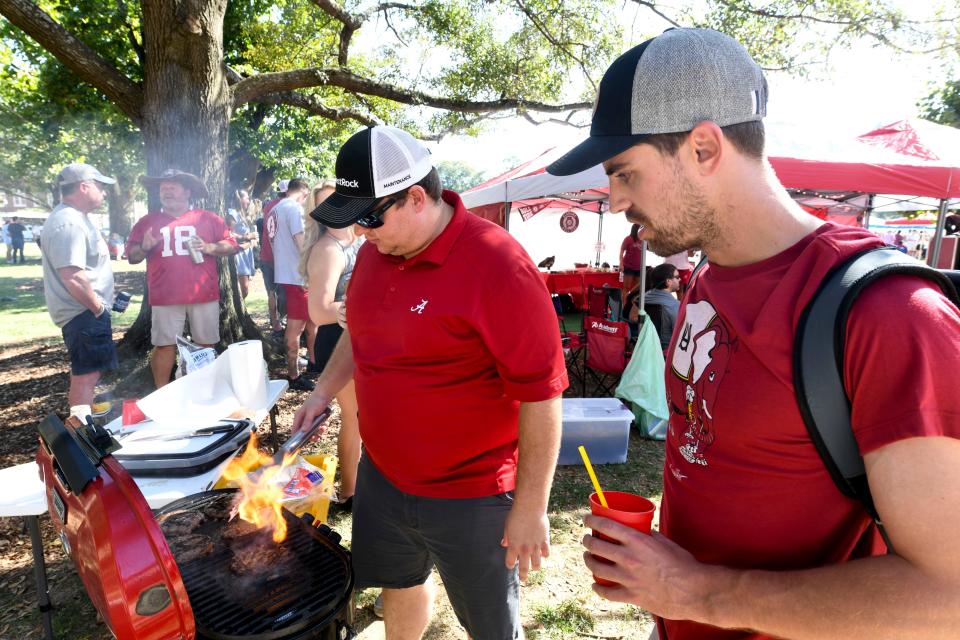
266	269
398	538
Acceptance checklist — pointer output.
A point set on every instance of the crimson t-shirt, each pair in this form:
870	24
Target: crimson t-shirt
447	345
172	277
633	258
744	486
269	230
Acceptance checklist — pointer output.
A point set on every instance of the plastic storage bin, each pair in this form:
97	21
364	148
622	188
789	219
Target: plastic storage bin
602	425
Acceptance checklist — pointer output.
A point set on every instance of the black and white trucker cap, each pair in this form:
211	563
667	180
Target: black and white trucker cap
373	163
669	84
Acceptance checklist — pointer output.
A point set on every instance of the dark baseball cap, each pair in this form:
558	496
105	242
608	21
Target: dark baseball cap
373	163
669	84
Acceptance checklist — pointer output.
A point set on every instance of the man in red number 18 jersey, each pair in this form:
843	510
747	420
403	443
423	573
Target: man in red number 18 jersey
179	286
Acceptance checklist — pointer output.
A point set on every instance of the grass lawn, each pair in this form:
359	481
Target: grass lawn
23	311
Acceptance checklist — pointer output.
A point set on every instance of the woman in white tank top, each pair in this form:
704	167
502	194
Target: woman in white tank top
326	263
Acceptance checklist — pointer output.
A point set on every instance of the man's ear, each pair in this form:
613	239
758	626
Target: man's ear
706	147
417	196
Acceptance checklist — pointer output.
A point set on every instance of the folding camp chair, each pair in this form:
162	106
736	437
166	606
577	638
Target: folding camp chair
598	305
603	302
606	356
572	341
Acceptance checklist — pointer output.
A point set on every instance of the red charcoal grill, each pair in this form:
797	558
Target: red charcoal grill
139	589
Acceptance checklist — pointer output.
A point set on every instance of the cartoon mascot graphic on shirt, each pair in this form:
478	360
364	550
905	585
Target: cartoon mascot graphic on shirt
700	359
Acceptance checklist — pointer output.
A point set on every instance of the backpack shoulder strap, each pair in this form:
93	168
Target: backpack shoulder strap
697	269
818	361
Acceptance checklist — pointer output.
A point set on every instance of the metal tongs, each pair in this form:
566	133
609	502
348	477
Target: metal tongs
300	438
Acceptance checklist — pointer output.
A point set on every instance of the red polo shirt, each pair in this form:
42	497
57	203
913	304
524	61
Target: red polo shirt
447	345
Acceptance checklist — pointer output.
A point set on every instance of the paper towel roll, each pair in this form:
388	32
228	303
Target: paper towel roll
248	375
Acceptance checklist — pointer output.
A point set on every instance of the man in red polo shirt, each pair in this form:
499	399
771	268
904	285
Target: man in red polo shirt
459	373
179	287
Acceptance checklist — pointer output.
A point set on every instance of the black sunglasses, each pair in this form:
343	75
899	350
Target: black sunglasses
374	218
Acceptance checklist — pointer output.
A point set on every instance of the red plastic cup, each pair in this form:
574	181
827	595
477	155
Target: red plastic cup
628	509
131	413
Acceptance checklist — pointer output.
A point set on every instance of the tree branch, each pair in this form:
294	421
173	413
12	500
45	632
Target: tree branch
653	7
351	22
561	46
250	89
857	25
131	35
566	121
314	106
83	61
437	136
233	76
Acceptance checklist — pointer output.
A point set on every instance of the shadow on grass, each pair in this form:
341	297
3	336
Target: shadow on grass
74	616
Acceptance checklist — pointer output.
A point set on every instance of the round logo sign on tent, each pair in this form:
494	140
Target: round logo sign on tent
569	222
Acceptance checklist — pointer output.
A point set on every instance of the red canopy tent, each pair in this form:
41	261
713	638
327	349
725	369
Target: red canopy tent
910	157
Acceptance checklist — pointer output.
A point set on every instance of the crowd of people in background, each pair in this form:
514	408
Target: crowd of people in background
179	243
306	277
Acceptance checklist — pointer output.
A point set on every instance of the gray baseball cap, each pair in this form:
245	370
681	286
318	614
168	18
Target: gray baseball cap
669	84
80	172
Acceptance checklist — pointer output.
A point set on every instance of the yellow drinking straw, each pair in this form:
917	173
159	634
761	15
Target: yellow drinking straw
593	476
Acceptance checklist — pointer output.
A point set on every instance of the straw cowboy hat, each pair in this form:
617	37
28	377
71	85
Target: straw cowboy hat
188	180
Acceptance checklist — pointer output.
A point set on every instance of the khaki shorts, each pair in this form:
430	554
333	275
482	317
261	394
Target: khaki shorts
168	320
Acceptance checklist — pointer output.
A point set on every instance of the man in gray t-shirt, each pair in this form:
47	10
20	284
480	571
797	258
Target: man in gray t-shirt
78	279
287	243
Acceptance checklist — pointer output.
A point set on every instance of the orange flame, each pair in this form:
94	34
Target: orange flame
261	494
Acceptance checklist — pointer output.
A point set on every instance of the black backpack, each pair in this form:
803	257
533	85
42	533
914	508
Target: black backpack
821	396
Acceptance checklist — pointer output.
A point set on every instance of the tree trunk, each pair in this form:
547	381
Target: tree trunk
120	206
263	184
186	123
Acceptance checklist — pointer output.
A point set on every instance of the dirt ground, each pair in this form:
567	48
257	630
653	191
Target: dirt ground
557	602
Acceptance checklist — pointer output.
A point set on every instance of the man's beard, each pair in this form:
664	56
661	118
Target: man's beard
694	226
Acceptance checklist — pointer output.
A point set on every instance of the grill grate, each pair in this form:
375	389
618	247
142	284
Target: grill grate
230	607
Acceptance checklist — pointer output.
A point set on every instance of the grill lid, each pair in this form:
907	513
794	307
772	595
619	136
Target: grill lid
111	535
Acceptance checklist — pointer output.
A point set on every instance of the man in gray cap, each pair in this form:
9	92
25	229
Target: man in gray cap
755	539
180	244
78	279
